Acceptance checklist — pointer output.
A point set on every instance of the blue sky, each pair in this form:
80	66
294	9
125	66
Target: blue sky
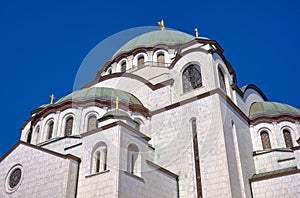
43	44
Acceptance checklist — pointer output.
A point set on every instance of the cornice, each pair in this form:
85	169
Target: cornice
132	76
68	156
250	86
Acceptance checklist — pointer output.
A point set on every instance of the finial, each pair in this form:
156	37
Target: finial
117	103
52	98
196	32
161	24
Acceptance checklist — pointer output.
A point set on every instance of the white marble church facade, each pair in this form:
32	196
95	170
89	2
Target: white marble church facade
163	118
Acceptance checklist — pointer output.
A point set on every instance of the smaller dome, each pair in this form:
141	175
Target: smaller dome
116	112
272	109
102	93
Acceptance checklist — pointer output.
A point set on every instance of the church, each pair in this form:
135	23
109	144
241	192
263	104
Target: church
163	117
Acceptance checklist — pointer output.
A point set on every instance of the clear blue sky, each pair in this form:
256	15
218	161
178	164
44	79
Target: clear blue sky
42	45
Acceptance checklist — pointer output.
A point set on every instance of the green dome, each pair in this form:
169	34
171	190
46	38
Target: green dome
116	113
102	93
272	109
150	39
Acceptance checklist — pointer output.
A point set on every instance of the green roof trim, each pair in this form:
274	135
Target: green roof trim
272	109
101	93
150	39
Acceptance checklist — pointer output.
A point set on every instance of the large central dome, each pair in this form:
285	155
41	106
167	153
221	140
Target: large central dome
150	39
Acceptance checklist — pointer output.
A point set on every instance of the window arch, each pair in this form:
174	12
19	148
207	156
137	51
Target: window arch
141	61
50	130
287	138
109	71
99	158
29	137
265	140
133	161
191	78
161	59
92	122
123	66
69	126
221	79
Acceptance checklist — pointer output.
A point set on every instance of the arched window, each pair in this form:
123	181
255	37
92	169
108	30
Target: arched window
37	135
50	130
138	123
222	79
141	61
161	59
109	71
97	156
196	157
29	137
92	123
99	160
191	78
287	138
132	159
123	67
69	126
265	140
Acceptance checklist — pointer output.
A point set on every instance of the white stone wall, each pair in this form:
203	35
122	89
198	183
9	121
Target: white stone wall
238	150
269	161
172	139
150	182
285	186
45	175
103	184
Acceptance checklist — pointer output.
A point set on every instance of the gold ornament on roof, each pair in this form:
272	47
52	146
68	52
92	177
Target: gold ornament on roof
161	24
117	103
52	98
196	32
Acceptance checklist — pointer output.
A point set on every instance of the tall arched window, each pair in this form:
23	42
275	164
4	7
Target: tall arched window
99	160
123	66
196	158
265	140
161	59
92	123
141	61
50	130
69	126
132	159
287	138
191	78
222	79
29	137
37	135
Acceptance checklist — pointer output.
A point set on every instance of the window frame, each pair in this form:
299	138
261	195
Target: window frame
183	76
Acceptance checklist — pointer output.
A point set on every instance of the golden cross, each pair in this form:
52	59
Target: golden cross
117	103
52	98
196	31
161	24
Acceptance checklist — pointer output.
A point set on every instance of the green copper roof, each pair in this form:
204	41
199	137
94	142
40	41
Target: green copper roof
116	113
150	39
272	109
102	93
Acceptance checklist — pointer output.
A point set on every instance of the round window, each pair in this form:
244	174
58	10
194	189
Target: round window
13	179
